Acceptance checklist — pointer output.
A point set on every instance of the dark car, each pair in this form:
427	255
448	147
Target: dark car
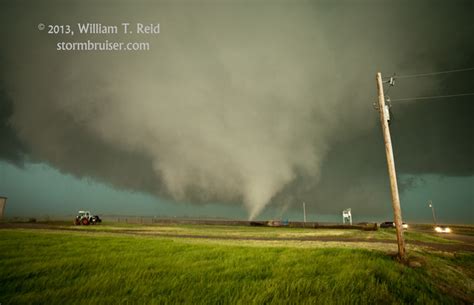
391	224
387	224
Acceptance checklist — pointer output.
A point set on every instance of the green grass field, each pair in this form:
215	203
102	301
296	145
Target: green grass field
78	267
250	232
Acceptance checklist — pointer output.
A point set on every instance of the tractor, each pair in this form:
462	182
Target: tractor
86	218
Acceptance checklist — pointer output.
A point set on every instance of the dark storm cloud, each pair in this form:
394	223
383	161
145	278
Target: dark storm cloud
251	103
11	149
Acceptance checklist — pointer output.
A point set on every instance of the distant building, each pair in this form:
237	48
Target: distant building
3	203
277	223
274	223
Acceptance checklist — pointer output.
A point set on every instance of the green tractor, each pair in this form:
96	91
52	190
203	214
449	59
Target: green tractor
86	218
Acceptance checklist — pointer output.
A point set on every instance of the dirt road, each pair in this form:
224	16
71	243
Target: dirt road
466	243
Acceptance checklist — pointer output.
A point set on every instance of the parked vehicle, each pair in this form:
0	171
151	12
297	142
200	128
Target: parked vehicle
86	218
387	224
391	224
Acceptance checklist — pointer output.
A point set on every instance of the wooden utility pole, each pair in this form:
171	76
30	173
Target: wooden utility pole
304	212
391	169
430	203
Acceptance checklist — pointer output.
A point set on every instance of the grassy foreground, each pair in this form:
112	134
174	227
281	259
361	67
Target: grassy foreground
44	267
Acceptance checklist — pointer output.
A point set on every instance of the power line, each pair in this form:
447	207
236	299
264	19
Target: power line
431	73
430	97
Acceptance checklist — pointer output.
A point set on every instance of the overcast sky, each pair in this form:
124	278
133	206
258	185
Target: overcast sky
239	109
